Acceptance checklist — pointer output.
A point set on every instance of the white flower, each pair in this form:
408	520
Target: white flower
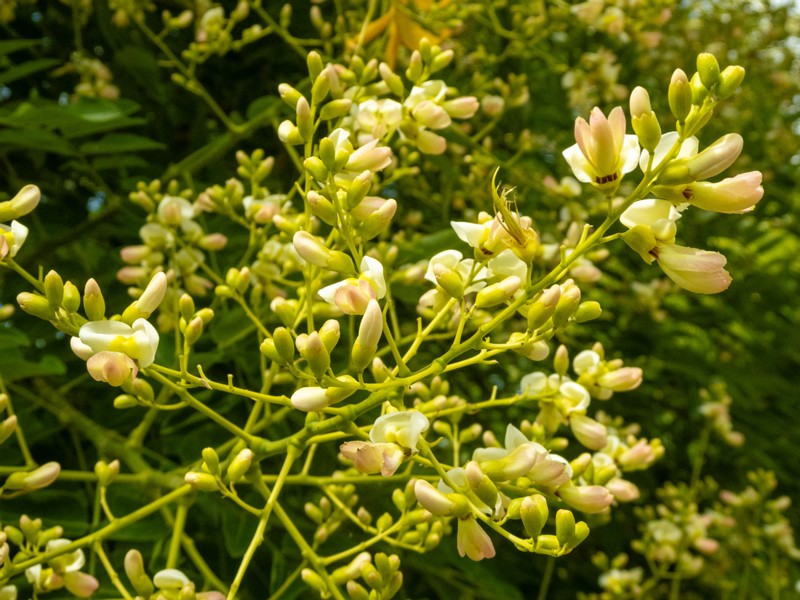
452	259
353	295
15	235
603	153
403	428
657	215
139	341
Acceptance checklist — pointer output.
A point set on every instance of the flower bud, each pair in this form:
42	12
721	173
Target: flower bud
586	498
542	309
516	464
314	252
464	107
36	305
289	94
124	401
322	207
392	80
211	460
431	115
708	69
305	120
93	303
534	512
561	360
494	294
106	472
335	109
72	297
432	499
587	311
288	133
680	95
621	380
7	428
431	143
314	581
37	479
729	81
484	488
565	526
114	368
329	334
716	158
315	353
202	482
193	331
414	70
567	305
644	120
240	465
134	569
590	433
314	64
320	88
317	167
358	189
170	579
54	289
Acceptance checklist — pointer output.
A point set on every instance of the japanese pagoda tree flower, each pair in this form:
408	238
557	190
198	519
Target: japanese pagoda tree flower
138	341
393	437
603	152
652	229
352	295
63	571
13	235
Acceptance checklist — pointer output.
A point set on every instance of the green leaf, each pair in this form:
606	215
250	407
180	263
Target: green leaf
13	368
9	46
120	161
115	143
27	68
13	338
98	110
261	105
36	139
238	528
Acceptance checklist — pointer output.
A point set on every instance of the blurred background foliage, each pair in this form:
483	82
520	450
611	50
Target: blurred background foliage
92	102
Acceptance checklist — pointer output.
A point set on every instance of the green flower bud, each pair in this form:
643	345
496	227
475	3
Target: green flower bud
561	360
54	289
358	189
315	66
442	60
322	207
567	305
414	71
36	305
588	311
134	569
729	81
193	331
7	428
289	94
72	297
20	205
186	307
240	465
125	401
33	480
534	511
392	80
497	293
211	460
320	88
93	303
565	526
106	472
699	91
708	69
542	309
202	482
335	109
680	96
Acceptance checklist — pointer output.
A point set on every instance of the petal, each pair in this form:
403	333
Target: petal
629	154
98	335
699	271
473	541
648	213
580	166
471	233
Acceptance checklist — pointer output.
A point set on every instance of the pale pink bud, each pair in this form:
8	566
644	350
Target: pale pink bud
34	480
174	210
550	470
698	271
432	499
134	255
638	456
152	295
131	275
706	545
621	380
21	204
473	541
114	368
737	194
717	157
213	241
588	432
311	249
623	490
371	327
587	498
370	157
